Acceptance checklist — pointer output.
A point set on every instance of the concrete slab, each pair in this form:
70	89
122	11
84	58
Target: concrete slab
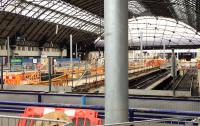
44	88
159	92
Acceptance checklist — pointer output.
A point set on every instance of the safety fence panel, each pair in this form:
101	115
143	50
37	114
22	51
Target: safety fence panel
27	121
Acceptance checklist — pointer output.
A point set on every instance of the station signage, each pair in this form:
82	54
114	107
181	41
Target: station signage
17	61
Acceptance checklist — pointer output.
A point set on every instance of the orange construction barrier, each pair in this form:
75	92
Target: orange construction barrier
17	79
75	115
12	79
198	65
155	62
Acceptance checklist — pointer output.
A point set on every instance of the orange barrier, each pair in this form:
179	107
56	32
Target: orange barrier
35	77
79	71
21	78
155	62
12	79
198	65
74	114
98	70
32	78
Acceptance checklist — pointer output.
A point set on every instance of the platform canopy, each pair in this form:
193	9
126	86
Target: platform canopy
35	21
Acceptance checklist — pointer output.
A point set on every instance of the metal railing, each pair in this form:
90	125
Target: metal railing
27	121
161	122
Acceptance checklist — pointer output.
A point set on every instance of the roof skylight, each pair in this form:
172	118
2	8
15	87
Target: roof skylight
55	11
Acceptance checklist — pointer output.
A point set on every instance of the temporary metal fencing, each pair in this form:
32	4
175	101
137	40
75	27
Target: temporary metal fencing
14	121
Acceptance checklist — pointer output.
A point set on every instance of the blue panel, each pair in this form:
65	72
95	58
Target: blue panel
67	59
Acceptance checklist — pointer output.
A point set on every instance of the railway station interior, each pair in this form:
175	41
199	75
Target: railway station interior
99	62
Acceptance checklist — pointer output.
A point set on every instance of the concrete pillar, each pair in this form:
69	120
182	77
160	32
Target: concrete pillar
164	48
173	65
173	69
116	60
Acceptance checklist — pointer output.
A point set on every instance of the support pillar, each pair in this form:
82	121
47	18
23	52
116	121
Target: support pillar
13	51
76	51
40	51
173	69
173	65
116	60
133	55
164	48
8	52
2	73
71	49
141	47
50	70
177	55
198	74
61	52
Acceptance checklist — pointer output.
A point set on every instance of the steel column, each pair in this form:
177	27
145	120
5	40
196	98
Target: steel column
8	52
116	60
173	69
177	55
50	74
133	55
2	73
71	50
76	51
164	49
141	46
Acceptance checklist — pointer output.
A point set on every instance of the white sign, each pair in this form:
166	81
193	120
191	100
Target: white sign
34	61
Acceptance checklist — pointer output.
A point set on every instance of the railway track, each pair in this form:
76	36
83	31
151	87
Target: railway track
148	80
186	82
88	86
141	72
170	85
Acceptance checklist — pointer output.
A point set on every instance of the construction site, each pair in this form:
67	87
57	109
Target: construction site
99	63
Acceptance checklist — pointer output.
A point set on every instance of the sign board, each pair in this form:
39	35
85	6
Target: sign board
17	61
34	61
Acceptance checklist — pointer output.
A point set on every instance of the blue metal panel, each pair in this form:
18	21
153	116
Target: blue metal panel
67	59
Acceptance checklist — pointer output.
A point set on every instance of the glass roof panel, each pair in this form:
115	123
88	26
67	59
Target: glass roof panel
135	7
54	11
153	31
158	29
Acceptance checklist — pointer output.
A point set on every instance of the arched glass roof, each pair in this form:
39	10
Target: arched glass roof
54	11
159	31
